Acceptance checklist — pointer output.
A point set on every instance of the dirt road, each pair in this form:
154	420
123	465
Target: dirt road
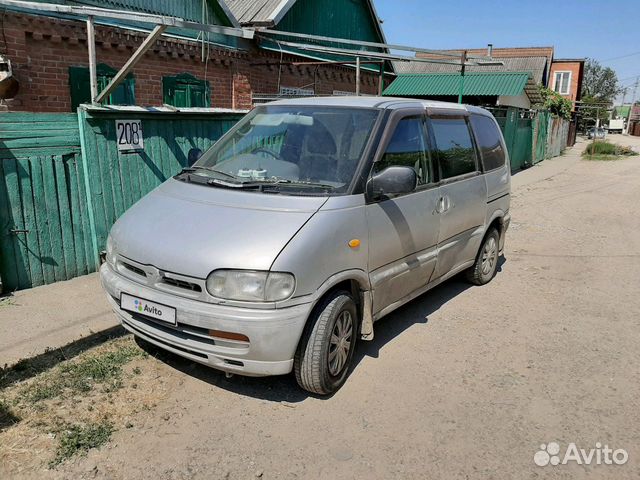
464	382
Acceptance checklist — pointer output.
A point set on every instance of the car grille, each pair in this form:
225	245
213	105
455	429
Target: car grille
158	279
134	269
194	287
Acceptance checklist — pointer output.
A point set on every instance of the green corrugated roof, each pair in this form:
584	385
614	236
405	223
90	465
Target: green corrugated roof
622	111
442	84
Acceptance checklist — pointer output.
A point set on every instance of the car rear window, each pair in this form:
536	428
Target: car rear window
488	139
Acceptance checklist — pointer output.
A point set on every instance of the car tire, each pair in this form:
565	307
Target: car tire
323	358
486	264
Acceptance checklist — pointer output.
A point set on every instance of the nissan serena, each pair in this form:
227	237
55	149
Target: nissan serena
304	224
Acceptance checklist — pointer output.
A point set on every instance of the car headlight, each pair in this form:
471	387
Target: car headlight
251	286
110	256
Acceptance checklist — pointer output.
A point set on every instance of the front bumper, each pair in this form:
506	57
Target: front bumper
273	333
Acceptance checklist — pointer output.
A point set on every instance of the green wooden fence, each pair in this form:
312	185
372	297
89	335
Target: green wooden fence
118	180
531	138
44	234
50	228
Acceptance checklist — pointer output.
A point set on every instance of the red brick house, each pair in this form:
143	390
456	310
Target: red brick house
566	78
49	54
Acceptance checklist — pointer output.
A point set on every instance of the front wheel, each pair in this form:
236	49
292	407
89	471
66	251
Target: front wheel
325	351
486	265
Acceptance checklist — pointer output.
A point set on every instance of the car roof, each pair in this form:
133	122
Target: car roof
377	102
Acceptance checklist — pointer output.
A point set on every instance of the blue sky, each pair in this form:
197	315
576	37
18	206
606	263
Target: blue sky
576	28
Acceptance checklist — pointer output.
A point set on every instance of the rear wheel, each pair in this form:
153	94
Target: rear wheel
325	351
486	265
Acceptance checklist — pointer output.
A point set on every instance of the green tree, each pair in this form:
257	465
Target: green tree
599	82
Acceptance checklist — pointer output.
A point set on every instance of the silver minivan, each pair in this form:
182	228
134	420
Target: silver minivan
304	224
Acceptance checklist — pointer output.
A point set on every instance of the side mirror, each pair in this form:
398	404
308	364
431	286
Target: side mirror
393	180
193	156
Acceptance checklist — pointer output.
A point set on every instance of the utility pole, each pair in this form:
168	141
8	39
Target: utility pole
635	90
633	99
91	46
463	62
624	94
358	76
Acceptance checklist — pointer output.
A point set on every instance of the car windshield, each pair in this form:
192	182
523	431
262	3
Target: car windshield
297	147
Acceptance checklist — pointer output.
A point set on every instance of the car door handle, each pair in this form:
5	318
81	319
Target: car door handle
441	206
448	204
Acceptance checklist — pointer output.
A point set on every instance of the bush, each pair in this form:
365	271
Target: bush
555	103
606	148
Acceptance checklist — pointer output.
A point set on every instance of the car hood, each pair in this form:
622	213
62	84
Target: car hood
193	229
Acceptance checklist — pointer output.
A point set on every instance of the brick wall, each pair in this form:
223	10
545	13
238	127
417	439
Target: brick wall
42	49
576	69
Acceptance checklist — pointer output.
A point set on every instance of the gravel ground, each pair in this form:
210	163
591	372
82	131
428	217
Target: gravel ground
464	382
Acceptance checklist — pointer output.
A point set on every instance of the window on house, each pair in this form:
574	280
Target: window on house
80	86
454	148
562	82
185	90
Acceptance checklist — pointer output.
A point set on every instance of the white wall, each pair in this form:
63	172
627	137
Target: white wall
521	101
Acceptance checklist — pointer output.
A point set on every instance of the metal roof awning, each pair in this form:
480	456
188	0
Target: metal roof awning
475	84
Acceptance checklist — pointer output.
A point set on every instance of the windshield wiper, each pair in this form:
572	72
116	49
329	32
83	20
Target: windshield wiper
294	183
208	169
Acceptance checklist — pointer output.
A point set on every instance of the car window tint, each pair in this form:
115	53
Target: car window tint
488	139
407	147
454	148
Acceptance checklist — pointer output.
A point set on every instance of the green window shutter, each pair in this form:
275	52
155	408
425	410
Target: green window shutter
80	86
168	90
200	95
185	90
180	97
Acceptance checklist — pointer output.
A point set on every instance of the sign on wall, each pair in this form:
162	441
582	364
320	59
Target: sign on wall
129	135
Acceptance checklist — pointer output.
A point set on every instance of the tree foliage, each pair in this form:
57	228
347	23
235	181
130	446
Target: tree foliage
599	82
592	109
555	103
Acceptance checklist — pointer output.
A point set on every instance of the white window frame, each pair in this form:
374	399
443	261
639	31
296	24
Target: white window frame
555	82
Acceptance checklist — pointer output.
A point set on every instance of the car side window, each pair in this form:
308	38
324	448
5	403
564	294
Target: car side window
408	148
488	139
454	147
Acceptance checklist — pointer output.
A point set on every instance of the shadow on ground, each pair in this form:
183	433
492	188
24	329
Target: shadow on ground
30	367
284	388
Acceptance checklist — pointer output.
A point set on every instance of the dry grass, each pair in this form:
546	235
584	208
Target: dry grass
75	406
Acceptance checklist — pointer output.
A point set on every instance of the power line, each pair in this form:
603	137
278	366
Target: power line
621	56
628	78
